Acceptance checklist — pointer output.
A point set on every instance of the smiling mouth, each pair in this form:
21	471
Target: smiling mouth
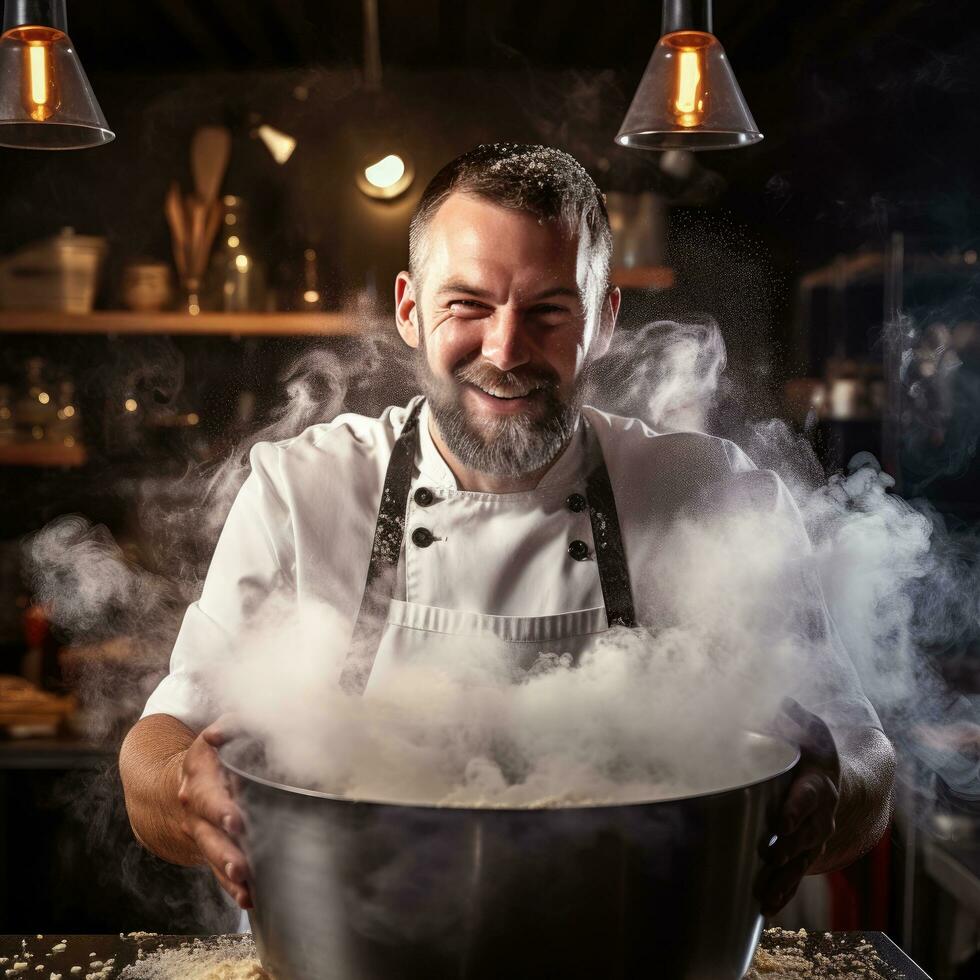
504	396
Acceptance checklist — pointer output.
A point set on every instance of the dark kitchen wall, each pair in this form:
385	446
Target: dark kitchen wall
312	200
868	110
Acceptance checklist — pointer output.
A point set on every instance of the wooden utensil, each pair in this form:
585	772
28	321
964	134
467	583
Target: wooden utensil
210	150
196	256
173	207
213	223
195	219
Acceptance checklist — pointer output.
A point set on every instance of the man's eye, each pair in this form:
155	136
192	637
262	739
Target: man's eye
466	306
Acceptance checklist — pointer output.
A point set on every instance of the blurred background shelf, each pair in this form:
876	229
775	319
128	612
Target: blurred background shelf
205	323
42	454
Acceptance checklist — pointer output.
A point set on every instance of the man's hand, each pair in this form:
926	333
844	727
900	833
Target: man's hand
210	817
806	821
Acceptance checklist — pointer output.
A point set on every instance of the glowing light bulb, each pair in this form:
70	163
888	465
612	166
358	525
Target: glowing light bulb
311	296
131	404
386	172
193	418
39	87
43	397
689	98
39	70
688	103
233	241
241	263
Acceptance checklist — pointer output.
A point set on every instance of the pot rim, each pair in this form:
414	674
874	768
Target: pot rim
753	736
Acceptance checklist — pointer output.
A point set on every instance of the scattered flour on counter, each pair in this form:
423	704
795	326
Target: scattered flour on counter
797	956
219	958
241	970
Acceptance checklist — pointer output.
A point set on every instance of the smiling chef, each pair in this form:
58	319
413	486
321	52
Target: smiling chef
496	505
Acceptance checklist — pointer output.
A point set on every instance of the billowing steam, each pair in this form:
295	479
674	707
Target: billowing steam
740	623
666	373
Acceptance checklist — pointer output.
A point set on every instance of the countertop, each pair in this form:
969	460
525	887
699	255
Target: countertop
94	953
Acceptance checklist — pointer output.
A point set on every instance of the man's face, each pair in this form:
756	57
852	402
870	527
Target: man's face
508	314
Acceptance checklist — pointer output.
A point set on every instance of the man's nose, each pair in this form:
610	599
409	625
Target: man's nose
504	340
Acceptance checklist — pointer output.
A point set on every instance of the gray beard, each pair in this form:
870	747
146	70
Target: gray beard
511	446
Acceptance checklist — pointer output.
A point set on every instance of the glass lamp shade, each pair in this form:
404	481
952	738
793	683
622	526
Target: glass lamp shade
46	102
688	99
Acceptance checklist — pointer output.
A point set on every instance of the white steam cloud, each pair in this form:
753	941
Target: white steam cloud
741	622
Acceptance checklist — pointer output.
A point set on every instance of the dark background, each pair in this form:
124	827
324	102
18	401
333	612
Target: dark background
869	112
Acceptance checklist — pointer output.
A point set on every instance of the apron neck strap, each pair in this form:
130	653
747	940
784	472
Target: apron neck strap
389	532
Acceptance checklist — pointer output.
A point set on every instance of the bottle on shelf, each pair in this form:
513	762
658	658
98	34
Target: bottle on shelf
66	431
310	294
35	410
240	275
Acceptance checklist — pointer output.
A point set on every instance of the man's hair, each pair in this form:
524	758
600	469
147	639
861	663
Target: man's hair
540	180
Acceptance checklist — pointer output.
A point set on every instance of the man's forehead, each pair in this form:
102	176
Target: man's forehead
470	238
468	221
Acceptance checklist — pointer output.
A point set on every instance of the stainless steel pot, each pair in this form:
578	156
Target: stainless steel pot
350	890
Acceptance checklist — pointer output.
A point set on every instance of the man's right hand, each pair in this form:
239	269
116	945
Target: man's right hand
210	817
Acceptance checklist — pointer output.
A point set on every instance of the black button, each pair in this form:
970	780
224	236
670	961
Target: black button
576	502
579	550
424	496
423	537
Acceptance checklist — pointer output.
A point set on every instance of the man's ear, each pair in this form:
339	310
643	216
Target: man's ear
406	309
607	321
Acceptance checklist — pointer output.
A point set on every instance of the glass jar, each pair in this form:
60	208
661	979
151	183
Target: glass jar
240	277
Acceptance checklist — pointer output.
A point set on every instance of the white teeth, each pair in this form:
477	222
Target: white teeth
498	393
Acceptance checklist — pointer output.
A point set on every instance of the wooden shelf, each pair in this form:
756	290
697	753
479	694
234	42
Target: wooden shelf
204	324
643	277
41	454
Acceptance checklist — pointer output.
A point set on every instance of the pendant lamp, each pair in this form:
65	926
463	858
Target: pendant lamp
688	98
46	102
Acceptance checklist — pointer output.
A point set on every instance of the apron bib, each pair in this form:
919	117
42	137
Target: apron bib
389	632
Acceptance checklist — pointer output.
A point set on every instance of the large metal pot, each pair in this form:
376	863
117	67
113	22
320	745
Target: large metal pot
350	890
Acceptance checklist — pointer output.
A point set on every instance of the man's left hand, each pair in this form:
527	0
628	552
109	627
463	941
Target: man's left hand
806	821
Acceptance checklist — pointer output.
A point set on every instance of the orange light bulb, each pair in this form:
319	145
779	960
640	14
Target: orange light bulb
39	88
689	95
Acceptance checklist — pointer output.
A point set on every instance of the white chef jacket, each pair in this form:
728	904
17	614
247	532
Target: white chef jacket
498	565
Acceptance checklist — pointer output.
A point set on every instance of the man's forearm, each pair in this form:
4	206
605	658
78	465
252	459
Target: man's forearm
867	763
149	765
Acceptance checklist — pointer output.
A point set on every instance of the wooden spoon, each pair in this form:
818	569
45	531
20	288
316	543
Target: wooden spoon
173	208
197	253
210	150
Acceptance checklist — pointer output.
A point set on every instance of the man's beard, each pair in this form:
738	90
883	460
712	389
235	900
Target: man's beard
509	445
